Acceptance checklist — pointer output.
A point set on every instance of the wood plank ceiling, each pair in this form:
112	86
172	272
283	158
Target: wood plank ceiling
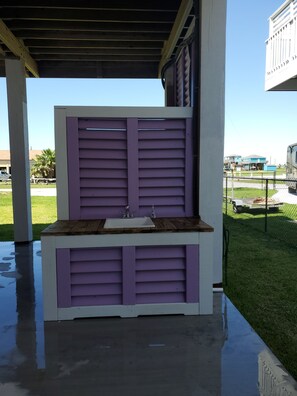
91	38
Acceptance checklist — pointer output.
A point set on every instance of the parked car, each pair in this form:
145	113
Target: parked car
4	176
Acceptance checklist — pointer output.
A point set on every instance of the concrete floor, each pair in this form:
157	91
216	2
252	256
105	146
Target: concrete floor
146	356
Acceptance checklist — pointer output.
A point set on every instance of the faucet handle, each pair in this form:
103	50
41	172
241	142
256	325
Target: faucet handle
153	213
127	212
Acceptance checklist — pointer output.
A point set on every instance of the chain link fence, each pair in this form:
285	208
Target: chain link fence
266	204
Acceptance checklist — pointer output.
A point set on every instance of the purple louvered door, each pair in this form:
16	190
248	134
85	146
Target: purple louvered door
89	277
165	167
137	162
167	274
160	274
127	275
97	167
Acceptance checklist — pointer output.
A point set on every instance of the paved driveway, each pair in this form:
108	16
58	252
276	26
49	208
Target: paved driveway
242	184
43	192
283	196
38	192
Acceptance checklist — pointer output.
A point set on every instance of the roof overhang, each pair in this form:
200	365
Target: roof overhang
93	39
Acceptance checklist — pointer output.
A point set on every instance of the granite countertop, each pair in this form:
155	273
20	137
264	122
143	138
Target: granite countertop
91	227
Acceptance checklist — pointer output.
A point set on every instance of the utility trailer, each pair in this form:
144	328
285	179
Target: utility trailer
42	180
240	205
291	168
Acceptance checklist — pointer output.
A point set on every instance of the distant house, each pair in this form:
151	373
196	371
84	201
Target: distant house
268	167
231	161
5	163
253	162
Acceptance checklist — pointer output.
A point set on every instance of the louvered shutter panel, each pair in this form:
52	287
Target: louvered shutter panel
179	81
136	162
183	79
187	77
164	166
89	277
101	174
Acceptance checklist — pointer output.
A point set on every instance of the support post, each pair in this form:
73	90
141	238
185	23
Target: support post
169	87
213	29
19	149
266	205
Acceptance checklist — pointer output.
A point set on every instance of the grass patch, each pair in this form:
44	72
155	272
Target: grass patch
245	192
44	212
262	278
281	224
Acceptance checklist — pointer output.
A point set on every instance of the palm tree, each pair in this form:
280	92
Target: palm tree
45	164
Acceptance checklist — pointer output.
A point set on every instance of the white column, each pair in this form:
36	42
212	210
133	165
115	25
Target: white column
213	30
169	87
19	149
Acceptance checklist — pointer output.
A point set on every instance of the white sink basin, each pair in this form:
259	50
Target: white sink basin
133	222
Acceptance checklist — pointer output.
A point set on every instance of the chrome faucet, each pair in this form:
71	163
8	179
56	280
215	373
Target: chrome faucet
127	214
153	213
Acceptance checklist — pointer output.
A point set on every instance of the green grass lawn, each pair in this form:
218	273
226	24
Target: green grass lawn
44	212
281	224
245	192
261	282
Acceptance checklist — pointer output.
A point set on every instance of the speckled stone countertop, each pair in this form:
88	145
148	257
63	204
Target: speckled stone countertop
91	227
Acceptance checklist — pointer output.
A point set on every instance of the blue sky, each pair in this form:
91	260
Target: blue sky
43	94
257	122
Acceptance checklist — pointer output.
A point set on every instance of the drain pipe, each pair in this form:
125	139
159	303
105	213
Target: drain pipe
196	92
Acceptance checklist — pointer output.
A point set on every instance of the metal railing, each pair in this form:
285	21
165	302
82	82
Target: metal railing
281	46
284	14
264	204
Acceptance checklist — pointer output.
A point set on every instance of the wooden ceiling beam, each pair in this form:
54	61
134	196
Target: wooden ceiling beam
67	63
179	23
101	58
164	5
88	15
96	51
92	44
17	48
99	69
20	24
99	36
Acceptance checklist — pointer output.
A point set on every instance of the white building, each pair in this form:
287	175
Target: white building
281	49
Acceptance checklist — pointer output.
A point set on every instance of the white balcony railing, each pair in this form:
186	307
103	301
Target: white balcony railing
281	46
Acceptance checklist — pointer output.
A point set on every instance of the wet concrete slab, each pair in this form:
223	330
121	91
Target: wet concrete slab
218	354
